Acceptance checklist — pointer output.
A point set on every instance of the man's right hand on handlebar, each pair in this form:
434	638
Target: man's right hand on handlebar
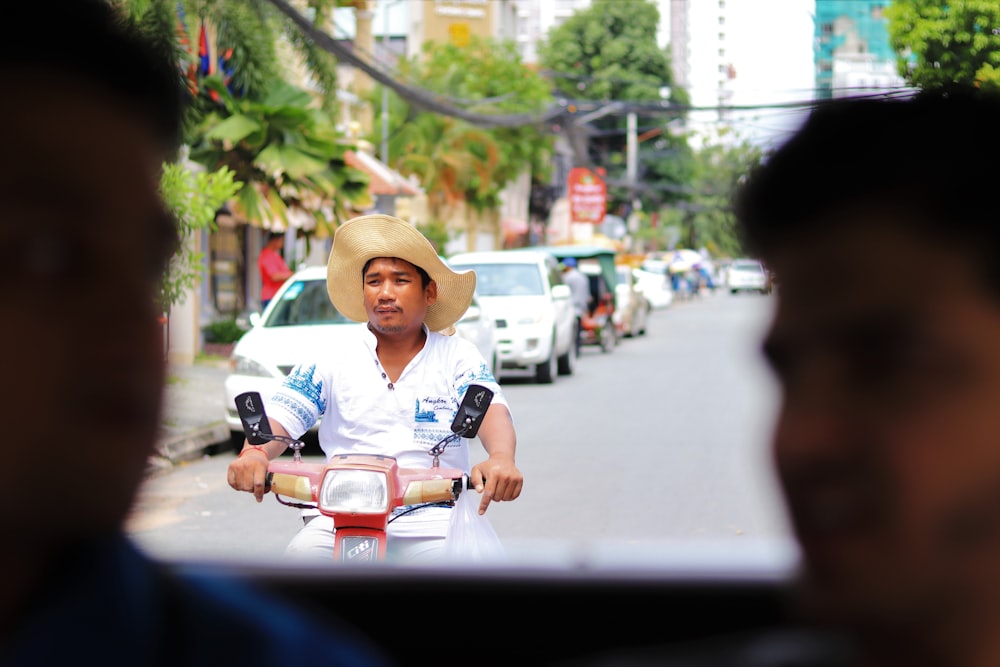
249	471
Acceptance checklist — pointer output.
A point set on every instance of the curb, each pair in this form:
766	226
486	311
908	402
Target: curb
187	447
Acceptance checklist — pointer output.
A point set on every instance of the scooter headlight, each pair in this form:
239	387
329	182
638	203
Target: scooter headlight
355	491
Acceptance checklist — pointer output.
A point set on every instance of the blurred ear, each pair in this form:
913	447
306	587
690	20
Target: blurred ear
431	293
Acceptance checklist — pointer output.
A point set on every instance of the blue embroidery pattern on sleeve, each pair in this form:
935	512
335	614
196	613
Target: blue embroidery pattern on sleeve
302	380
297	408
483	374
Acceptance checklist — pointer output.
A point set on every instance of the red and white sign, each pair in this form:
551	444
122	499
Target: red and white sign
587	195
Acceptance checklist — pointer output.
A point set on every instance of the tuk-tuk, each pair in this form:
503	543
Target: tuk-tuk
598	264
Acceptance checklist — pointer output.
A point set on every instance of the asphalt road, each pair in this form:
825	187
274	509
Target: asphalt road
648	453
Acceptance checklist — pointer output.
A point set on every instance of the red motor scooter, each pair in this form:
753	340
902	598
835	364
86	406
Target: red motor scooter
361	491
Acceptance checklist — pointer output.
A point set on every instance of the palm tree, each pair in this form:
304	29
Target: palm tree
287	151
276	137
247	42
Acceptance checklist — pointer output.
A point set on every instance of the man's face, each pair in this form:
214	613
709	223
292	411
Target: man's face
887	444
84	239
395	297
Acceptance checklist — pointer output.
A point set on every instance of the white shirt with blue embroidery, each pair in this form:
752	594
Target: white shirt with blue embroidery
363	412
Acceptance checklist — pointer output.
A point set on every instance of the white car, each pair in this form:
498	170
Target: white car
299	324
632	308
655	285
747	275
524	292
479	327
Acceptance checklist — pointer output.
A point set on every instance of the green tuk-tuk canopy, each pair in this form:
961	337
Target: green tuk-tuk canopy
604	256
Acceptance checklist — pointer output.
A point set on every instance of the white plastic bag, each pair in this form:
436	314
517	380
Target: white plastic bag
470	536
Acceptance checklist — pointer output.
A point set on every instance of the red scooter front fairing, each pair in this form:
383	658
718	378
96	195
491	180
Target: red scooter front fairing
359	492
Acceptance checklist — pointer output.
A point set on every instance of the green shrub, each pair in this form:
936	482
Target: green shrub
223	331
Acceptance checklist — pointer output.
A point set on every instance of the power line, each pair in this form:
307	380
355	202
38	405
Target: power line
562	108
420	97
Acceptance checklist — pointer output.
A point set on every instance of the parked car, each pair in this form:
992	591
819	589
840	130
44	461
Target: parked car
654	285
479	327
524	292
631	305
299	324
296	326
747	275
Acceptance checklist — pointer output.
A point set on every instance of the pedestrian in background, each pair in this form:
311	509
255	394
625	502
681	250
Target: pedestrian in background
273	269
579	285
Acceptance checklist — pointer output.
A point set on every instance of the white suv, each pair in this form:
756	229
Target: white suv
747	275
524	292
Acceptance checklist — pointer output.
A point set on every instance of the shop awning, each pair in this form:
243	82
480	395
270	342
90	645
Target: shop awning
384	180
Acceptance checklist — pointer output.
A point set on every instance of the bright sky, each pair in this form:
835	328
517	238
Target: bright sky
770	46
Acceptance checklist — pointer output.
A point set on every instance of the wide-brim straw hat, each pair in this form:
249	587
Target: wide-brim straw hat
368	236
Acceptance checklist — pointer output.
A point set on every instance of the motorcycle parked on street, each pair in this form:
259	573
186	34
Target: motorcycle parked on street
362	491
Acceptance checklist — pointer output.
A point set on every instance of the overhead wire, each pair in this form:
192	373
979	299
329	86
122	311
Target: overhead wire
564	108
421	97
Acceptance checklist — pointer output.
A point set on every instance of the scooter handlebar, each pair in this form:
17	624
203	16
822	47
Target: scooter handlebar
433	490
290	486
301	482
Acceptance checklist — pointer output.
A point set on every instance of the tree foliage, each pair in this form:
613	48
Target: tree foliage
941	43
288	153
277	138
251	44
609	52
704	218
455	160
193	197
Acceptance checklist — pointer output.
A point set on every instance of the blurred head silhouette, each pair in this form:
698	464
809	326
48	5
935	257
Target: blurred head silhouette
884	341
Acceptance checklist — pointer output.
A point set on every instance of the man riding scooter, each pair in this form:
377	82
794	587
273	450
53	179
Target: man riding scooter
395	390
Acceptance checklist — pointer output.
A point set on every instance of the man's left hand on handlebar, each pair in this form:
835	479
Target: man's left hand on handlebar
496	478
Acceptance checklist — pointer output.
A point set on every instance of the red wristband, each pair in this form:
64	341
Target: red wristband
254	448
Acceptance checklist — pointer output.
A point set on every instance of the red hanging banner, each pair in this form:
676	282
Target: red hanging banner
587	195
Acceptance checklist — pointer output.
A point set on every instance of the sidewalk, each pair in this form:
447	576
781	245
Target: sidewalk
193	415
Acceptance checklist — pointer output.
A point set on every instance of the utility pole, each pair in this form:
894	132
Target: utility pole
384	152
632	152
364	45
632	171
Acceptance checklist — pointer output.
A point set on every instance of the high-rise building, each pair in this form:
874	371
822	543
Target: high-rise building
853	53
745	64
676	17
456	21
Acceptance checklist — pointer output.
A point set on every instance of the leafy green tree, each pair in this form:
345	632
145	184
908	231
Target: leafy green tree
946	42
193	197
286	151
704	219
248	39
455	160
608	52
